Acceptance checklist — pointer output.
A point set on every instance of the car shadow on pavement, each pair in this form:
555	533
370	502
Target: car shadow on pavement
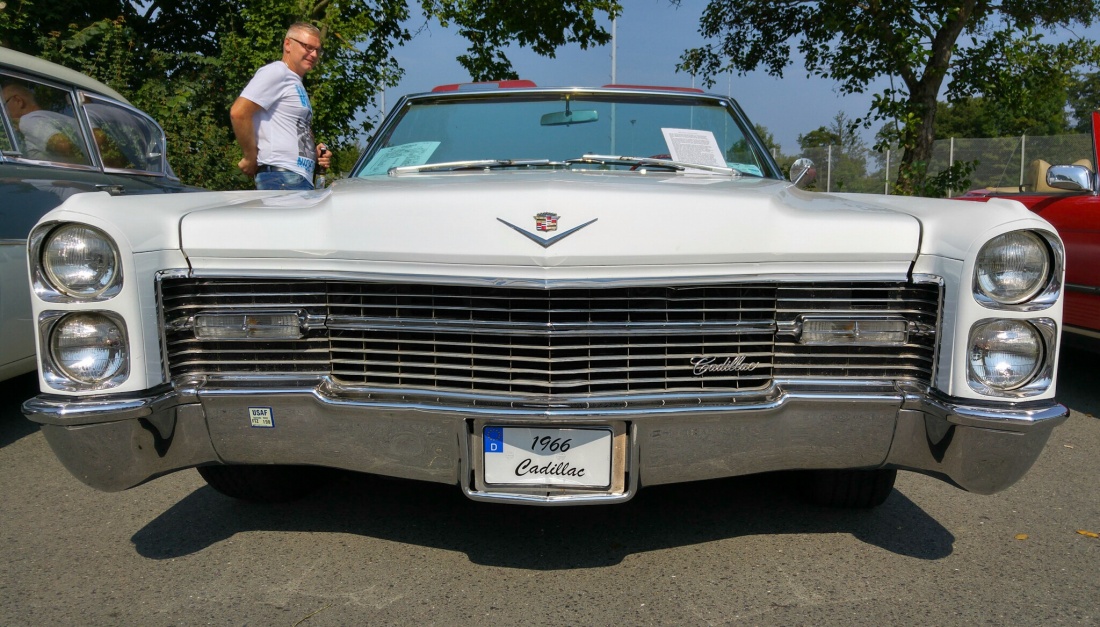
13	424
1078	383
544	538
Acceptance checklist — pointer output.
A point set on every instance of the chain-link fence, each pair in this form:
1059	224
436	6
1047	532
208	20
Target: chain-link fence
1007	163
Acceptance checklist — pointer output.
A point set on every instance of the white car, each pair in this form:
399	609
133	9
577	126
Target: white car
549	296
61	133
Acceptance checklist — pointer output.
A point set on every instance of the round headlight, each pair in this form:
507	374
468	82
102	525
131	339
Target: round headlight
1012	268
88	348
1005	354
80	261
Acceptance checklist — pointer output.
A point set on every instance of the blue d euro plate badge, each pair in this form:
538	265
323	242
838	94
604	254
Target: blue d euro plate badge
494	439
261	417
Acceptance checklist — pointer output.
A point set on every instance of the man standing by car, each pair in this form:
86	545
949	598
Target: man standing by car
272	118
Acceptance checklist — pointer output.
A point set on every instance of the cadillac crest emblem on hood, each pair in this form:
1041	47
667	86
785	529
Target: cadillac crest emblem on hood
546	221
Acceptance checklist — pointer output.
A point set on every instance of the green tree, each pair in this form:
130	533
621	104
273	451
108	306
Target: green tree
185	61
1084	98
845	165
982	117
985	47
768	138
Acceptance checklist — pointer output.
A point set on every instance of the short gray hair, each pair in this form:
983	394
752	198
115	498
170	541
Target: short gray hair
303	27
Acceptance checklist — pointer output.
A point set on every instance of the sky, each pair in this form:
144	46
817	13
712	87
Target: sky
650	37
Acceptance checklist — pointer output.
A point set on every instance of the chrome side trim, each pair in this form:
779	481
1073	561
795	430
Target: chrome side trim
1082	331
1087	289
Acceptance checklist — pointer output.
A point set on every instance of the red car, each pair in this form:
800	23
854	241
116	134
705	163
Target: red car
1068	196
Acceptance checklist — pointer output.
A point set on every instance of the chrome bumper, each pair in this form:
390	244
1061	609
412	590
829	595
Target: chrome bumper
114	443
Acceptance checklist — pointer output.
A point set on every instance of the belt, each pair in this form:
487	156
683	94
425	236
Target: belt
272	168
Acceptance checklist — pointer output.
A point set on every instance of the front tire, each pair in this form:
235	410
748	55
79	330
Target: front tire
263	484
856	489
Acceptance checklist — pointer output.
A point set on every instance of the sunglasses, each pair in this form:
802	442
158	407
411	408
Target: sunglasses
308	48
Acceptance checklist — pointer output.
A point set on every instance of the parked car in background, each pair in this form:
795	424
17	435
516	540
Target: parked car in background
1067	195
61	133
550	296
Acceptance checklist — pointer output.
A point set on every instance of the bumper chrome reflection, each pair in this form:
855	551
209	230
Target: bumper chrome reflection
117	442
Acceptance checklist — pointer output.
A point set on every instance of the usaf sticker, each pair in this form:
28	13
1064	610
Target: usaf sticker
261	417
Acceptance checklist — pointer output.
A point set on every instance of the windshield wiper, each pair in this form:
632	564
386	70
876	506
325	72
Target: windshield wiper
678	166
476	164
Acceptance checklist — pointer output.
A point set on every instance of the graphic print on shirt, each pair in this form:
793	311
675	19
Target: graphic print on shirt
306	147
307	150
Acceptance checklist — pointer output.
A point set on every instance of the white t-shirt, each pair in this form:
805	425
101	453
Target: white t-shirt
284	127
39	126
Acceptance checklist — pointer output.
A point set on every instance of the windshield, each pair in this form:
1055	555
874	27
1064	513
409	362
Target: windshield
556	127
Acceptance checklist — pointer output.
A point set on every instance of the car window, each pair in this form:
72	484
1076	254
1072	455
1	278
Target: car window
7	145
558	127
44	122
125	138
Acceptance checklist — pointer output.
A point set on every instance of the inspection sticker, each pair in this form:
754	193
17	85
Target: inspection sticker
261	417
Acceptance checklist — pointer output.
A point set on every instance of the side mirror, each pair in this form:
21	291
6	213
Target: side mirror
803	173
1073	178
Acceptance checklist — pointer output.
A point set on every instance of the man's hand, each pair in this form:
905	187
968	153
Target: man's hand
324	156
248	166
240	114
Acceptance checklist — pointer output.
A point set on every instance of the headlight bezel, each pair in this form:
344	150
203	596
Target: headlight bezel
46	284
1047	290
56	376
1041	377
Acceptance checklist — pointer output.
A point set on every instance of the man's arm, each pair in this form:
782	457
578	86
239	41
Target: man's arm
240	115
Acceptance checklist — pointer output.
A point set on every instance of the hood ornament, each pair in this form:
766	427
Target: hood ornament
547	221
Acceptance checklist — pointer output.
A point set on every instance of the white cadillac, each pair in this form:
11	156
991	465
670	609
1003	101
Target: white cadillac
548	296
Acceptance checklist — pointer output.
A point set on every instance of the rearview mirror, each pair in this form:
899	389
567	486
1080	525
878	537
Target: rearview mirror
565	118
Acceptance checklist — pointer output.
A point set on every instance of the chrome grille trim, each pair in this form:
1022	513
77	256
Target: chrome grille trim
559	343
349	323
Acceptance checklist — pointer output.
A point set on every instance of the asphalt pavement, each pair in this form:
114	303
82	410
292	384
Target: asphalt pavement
372	551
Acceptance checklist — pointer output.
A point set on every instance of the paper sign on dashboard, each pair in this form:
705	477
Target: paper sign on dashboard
691	146
415	153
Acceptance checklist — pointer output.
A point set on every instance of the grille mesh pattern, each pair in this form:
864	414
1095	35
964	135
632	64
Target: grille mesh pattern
547	342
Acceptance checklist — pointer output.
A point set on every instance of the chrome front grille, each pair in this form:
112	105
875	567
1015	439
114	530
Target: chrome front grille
561	342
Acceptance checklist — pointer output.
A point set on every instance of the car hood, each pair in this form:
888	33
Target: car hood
602	220
609	224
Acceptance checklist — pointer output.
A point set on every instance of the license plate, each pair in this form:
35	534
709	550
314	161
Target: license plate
542	456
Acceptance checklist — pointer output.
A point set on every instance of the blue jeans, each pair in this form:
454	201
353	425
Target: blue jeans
282	180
